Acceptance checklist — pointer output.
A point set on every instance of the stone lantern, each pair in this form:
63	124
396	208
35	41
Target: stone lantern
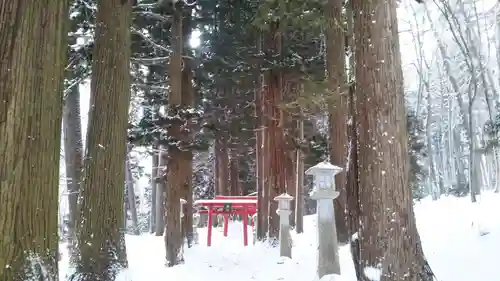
324	192
284	212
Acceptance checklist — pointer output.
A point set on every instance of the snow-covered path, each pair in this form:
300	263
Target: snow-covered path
452	243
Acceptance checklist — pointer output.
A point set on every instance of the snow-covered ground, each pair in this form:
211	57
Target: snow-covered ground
452	231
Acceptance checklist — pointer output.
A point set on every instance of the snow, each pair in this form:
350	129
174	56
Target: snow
225	201
455	249
323	166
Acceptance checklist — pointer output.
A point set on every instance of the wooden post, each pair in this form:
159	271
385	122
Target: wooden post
245	226
324	193
284	212
210	225
226	224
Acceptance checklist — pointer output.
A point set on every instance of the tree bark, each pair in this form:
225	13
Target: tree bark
175	180
234	173
32	60
101	229
262	204
299	182
187	103
337	119
385	198
277	175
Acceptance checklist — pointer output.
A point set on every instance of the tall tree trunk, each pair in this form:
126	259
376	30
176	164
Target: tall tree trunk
277	176
175	186
32	62
352	183
262	204
291	177
100	232
73	156
335	66
187	170
299	182
129	181
385	197
155	163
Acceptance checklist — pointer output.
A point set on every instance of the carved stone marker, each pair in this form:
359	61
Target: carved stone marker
284	212
324	193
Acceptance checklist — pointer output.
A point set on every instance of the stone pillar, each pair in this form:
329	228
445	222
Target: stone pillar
183	202
196	223
324	193
284	212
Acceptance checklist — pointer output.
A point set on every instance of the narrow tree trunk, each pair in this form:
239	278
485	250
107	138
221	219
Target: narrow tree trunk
291	174
155	163
129	180
102	192
225	187
32	61
262	204
234	171
217	183
299	183
173	235
73	151
385	197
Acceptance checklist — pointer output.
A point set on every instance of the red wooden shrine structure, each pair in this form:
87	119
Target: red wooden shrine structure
228	206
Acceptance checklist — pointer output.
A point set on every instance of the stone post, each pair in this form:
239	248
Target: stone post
196	222
183	202
284	212
324	193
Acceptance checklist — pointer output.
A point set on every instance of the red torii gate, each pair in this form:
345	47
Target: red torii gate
228	205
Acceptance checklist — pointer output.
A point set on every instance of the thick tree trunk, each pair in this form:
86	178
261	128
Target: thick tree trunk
32	62
385	198
129	181
100	232
277	175
175	180
352	184
187	170
73	156
335	66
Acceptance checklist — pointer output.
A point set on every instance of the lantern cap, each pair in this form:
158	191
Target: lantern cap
283	196
324	167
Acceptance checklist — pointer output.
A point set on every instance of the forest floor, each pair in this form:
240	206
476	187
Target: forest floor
460	240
